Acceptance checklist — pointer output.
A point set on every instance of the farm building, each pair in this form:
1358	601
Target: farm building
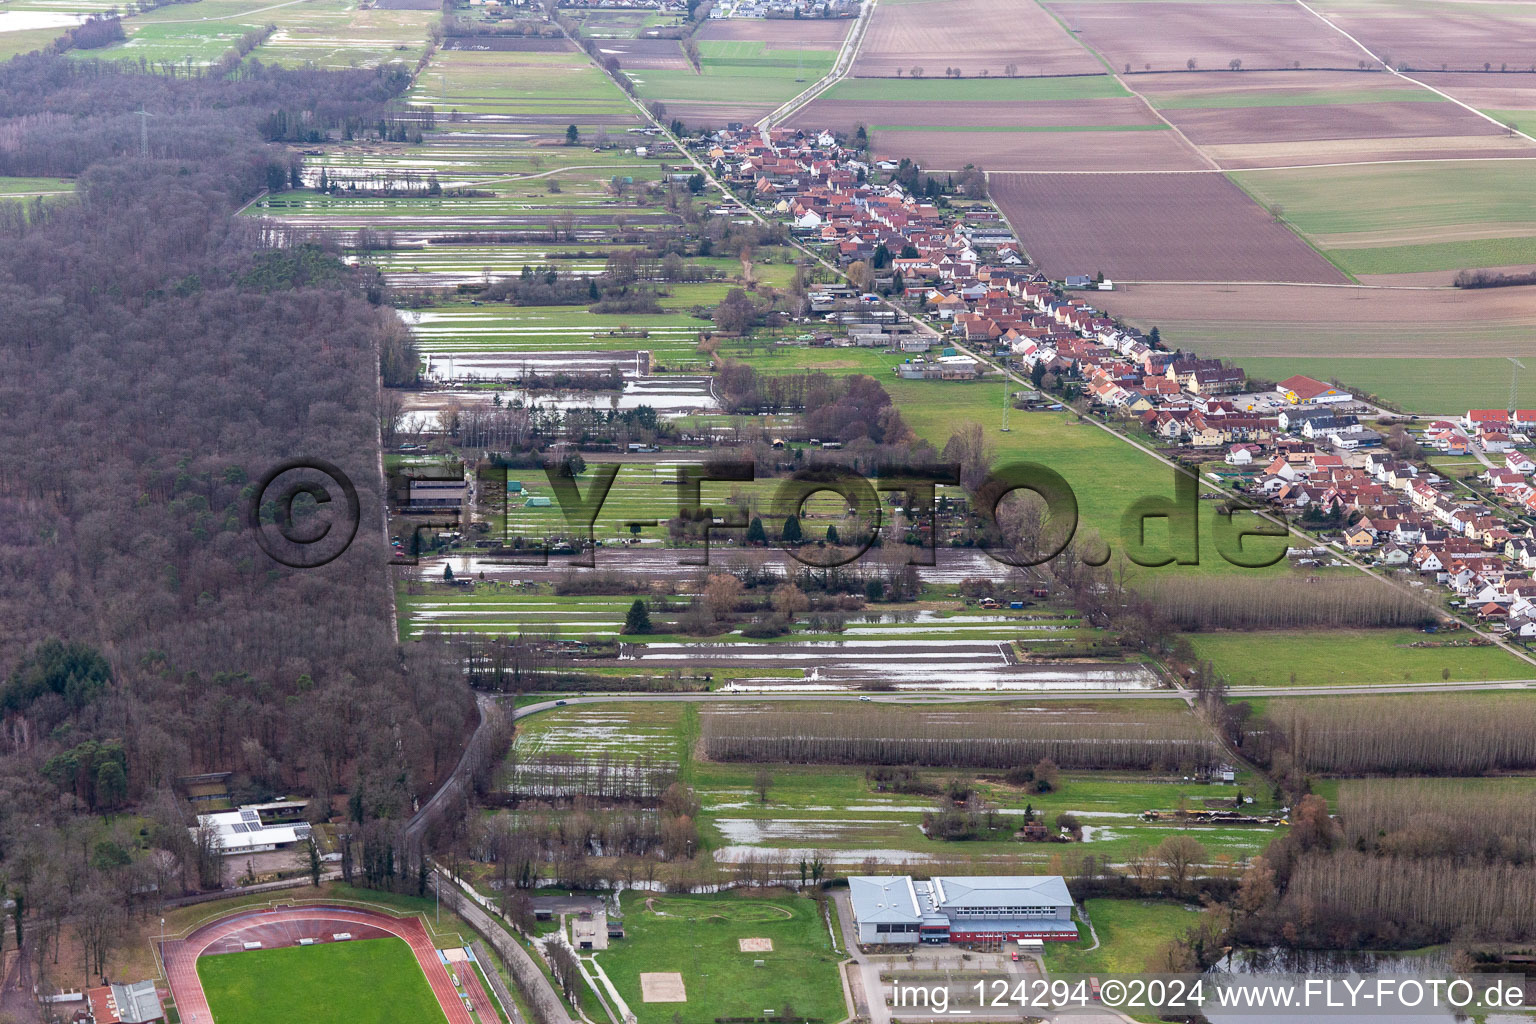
895	909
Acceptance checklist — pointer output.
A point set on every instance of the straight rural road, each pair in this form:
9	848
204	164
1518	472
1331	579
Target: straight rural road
840	69
992	696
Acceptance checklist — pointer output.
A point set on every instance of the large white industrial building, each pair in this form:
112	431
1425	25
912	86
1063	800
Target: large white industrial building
895	909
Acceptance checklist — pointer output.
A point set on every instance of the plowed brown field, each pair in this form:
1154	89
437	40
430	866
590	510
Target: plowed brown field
1166	35
1153	227
1464	36
1298	320
1041	151
780	33
975	35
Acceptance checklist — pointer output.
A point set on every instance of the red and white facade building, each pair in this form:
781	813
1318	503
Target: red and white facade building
897	910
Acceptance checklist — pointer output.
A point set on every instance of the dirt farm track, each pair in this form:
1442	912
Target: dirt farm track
285	926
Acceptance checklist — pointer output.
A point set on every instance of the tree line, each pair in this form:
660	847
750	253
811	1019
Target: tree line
1424	734
972	739
1202	602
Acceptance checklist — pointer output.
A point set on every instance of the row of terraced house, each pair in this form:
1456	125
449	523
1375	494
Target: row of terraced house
1300	444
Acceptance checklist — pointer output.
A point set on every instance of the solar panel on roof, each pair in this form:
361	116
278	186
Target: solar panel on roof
238	826
249	816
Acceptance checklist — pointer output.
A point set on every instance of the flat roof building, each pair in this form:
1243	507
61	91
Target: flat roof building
895	909
242	831
138	1003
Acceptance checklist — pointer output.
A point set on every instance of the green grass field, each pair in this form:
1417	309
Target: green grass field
371	981
737	72
698	937
835	809
1350	657
1130	931
22	188
1425	386
518	82
1106	474
1406	217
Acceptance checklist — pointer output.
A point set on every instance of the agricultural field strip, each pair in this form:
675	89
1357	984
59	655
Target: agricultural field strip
1407	78
325	32
1461	214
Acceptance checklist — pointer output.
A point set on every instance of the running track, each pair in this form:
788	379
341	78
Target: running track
284	927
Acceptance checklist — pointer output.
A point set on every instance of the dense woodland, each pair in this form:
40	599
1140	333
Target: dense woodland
157	356
1424	734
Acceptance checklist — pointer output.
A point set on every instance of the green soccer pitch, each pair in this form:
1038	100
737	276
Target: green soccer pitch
370	981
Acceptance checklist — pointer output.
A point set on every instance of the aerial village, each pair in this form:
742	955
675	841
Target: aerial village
1352	474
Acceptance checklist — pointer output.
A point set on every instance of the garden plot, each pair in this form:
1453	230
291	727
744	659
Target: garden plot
667	396
902	663
495	151
928	624
954	564
444	265
517	332
611	751
413	219
488	609
816	831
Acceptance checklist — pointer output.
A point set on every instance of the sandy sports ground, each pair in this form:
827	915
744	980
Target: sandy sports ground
975	35
662	987
1153	227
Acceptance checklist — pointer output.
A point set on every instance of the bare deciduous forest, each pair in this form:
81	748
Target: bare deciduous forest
158	356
